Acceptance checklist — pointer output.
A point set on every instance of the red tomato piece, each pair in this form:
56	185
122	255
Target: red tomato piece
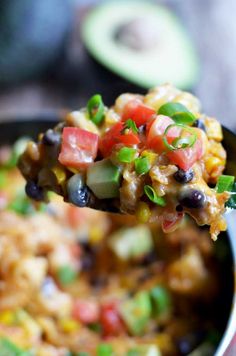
156	131
86	311
115	136
171	221
186	157
138	112
79	147
111	322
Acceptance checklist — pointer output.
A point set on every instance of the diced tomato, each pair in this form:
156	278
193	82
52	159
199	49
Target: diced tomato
112	324
79	147
171	221
156	131
115	136
186	157
138	112
86	311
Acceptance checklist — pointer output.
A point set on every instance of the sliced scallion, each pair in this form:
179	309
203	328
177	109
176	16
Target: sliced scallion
181	141
126	154
178	112
142	165
95	109
224	183
130	124
152	195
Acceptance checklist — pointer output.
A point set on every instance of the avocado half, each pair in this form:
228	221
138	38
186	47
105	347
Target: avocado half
142	42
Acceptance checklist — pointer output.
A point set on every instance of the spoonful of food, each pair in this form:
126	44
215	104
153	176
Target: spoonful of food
155	156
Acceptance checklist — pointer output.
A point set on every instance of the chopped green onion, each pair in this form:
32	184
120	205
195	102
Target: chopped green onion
130	124
224	184
161	300
152	195
231	203
66	274
181	141
96	109
104	350
142	165
126	154
178	112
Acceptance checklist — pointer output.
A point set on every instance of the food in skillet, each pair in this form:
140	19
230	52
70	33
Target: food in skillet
156	156
78	282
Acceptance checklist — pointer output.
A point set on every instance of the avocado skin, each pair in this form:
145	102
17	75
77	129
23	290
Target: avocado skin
32	36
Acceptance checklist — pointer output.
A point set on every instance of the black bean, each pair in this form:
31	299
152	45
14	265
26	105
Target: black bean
87	262
34	191
192	198
182	176
150	258
51	138
179	208
78	194
199	124
98	281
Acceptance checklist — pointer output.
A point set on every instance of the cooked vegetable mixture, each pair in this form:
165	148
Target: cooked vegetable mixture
78	282
156	156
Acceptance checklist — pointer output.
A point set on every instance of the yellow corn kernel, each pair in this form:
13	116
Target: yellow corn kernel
69	325
7	317
143	212
151	156
95	235
213	129
212	163
60	174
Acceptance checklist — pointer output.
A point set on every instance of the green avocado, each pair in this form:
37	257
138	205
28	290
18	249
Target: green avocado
142	42
136	312
32	36
103	178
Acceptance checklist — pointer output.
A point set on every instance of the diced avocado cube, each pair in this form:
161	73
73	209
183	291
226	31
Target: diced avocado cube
136	312
131	243
103	178
160	298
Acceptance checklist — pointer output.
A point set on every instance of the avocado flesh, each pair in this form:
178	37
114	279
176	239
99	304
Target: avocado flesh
172	57
132	242
136	312
103	179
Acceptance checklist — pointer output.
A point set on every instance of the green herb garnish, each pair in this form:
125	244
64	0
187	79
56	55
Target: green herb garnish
142	165
130	124
178	112
126	154
181	141
152	195
96	109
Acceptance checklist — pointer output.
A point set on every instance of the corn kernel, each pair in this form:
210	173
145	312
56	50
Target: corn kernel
60	174
212	163
95	235
151	156
69	325
7	317
143	212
